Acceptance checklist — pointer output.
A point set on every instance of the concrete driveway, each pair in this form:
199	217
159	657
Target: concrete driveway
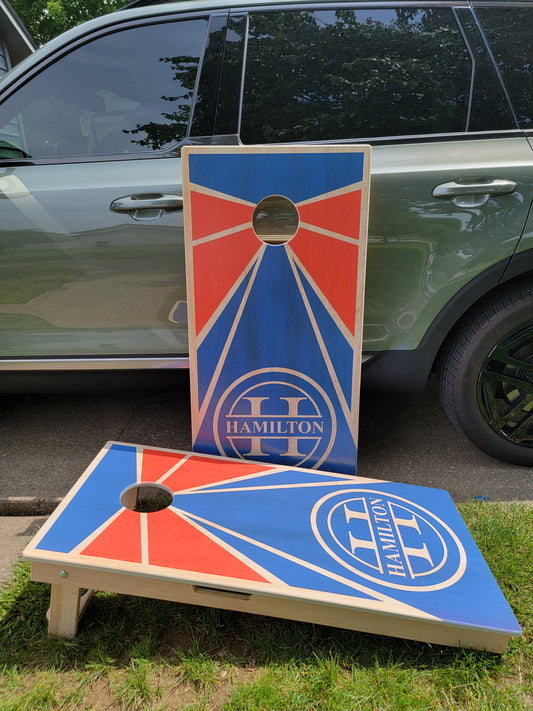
46	442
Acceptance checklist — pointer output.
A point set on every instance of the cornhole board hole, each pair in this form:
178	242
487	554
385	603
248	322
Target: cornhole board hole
289	542
275	244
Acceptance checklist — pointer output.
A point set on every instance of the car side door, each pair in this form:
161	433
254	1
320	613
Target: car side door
91	229
451	172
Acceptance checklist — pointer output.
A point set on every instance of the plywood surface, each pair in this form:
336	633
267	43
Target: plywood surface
316	546
275	328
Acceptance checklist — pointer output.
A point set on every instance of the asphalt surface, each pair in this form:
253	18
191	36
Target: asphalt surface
47	441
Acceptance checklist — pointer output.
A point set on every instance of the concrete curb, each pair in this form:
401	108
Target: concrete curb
27	506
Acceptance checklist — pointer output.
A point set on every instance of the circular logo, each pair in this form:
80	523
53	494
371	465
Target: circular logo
276	415
388	540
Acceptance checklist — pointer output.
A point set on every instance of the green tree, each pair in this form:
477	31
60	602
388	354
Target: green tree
45	19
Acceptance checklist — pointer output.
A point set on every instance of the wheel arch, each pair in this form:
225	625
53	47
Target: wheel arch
485	373
408	371
512	280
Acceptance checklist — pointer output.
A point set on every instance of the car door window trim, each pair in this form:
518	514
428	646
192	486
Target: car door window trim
233	139
208	67
473	70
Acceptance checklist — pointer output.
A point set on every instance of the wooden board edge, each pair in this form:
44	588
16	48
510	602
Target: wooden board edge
360	293
430	631
189	271
262	148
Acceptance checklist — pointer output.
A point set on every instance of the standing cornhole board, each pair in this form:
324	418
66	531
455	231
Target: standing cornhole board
275	243
308	545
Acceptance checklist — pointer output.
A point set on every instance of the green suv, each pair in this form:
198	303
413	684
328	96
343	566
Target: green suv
91	231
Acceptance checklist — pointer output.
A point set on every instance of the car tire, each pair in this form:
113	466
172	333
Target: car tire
485	376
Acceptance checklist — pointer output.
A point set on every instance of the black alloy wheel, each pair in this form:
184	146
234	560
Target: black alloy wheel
485	375
505	387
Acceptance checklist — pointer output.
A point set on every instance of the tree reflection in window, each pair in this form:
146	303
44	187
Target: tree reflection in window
509	31
126	92
341	74
173	126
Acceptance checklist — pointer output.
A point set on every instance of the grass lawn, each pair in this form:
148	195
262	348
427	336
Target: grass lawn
136	653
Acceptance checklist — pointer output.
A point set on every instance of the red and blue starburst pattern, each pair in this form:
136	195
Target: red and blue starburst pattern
290	532
275	329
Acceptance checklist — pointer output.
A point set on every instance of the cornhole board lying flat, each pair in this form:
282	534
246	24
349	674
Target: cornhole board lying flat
274	325
356	553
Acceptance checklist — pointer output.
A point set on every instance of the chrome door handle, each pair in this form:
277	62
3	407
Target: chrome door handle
147	206
473	192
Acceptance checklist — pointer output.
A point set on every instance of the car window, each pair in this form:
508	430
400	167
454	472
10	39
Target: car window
490	109
4	57
341	74
509	31
126	92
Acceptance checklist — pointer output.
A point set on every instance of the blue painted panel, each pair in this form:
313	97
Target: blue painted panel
401	542
209	354
96	501
308	532
274	379
292	572
252	177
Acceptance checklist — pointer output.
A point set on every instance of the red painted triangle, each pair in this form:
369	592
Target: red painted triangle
213	214
155	464
332	264
340	214
120	540
217	266
174	543
199	471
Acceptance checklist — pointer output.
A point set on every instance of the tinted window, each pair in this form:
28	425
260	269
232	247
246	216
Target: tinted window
230	85
208	86
509	32
338	74
490	109
4	61
127	92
